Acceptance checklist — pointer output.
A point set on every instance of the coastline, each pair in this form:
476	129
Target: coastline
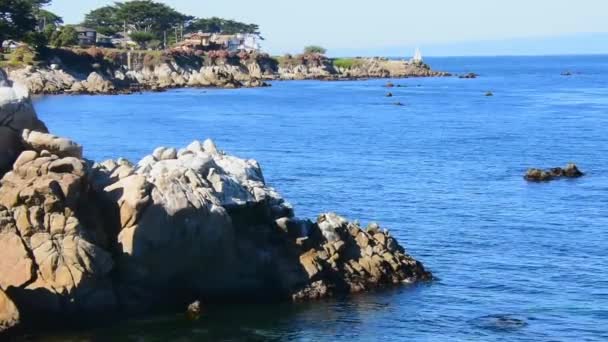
103	71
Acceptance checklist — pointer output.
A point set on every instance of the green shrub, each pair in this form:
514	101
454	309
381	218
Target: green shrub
142	38
314	49
23	55
347	63
66	36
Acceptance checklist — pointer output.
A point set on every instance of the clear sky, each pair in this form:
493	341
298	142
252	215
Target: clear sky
442	27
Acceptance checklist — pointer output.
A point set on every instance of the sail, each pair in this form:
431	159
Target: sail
417	56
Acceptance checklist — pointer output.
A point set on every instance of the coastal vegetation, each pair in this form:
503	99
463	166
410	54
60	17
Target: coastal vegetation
23	55
315	49
347	63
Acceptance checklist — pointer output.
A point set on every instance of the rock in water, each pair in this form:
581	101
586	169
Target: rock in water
194	310
78	237
572	171
539	175
469	75
9	315
16	114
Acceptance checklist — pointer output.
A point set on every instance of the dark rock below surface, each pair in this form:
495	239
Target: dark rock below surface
469	75
539	175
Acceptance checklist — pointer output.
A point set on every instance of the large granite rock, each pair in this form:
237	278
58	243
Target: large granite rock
53	244
16	114
43	80
95	83
194	223
9	315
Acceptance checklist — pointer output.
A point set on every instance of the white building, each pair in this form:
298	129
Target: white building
248	42
239	42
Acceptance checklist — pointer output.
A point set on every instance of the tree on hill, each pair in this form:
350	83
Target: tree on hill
142	38
47	18
65	36
314	49
104	20
149	16
137	15
219	25
16	19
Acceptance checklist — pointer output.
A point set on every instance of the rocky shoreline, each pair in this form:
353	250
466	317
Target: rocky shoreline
80	238
96	71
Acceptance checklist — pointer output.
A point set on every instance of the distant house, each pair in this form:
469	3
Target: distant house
248	42
103	40
122	40
221	40
237	42
86	36
197	39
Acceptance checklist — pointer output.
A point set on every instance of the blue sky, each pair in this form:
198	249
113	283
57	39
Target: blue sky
395	27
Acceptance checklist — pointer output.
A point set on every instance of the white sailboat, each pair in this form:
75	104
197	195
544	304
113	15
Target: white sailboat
417	56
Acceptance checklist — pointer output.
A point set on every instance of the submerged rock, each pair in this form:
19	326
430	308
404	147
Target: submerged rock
500	322
539	175
469	75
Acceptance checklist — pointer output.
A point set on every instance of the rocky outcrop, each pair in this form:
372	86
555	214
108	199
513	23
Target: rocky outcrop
94	84
539	175
179	225
363	68
16	114
384	68
43	80
9	315
54	247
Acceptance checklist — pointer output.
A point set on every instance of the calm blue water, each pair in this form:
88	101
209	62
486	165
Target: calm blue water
444	173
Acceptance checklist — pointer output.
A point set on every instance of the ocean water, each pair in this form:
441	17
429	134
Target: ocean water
515	261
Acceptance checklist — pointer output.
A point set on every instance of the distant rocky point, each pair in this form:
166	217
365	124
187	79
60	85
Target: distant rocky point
79	238
105	71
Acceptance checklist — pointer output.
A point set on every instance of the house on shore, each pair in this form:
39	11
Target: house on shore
248	42
215	41
86	36
103	40
196	39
